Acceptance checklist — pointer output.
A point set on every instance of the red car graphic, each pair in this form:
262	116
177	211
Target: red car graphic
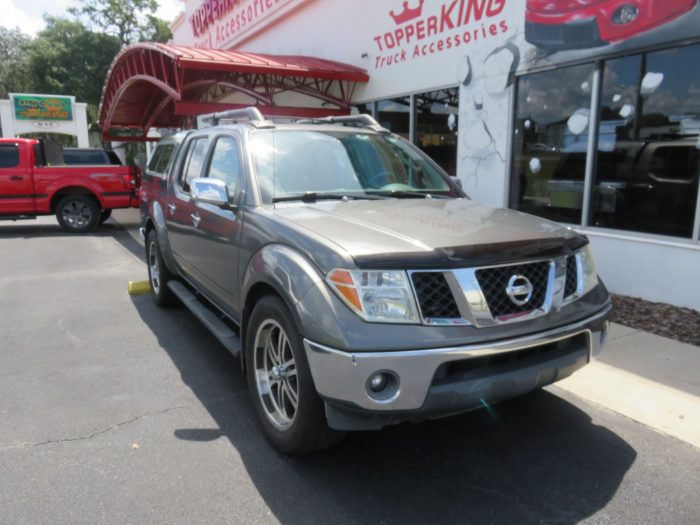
577	24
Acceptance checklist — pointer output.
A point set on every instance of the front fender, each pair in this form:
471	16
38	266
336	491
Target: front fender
284	269
157	219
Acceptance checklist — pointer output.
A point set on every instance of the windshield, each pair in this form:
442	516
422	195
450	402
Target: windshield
294	163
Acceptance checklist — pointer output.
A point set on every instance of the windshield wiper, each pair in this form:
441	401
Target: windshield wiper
311	196
411	194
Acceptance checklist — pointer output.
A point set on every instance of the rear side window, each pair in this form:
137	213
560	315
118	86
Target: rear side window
160	159
9	155
192	167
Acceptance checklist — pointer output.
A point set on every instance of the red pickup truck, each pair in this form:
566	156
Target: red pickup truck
35	181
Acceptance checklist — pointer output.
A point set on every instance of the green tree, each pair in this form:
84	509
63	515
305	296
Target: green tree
15	71
66	58
128	20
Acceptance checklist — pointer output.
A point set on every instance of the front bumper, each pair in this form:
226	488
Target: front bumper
434	382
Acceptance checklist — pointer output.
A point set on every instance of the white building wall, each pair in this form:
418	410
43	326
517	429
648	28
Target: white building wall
656	270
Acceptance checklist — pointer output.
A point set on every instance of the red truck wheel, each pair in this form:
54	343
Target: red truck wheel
77	213
104	215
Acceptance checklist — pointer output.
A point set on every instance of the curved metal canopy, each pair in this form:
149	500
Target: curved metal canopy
157	85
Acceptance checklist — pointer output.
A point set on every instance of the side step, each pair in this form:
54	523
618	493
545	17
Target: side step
16	217
216	326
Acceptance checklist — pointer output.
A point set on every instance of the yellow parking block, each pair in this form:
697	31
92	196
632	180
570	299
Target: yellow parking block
139	287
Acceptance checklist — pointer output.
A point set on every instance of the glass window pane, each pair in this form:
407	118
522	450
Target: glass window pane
550	141
9	155
436	126
294	162
394	115
647	158
193	162
224	164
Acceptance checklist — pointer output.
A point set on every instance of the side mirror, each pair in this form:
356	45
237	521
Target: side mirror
457	181
210	191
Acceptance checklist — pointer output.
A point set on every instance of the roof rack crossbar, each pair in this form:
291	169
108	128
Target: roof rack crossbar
362	120
251	113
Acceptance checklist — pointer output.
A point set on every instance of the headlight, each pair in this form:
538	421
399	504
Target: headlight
587	271
376	296
625	15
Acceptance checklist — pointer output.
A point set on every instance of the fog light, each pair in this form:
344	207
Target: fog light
625	15
378	382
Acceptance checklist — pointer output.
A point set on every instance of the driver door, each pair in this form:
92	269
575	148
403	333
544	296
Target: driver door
217	242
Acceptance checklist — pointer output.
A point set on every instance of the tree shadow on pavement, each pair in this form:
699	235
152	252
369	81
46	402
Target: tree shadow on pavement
534	459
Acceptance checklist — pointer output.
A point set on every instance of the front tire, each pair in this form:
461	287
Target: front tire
77	213
158	273
280	383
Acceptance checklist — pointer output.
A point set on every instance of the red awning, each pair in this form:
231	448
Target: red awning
157	85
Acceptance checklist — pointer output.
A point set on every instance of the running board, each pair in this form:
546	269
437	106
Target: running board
16	217
216	326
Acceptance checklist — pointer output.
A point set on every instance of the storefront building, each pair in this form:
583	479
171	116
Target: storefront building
584	112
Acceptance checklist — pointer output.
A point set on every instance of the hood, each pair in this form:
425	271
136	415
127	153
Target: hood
428	232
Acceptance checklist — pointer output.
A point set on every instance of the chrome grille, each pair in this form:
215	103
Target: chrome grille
571	276
435	298
494	281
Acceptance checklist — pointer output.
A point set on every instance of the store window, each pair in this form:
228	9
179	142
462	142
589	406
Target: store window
436	126
394	114
549	144
647	158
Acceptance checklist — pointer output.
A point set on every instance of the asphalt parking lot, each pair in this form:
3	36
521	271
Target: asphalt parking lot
116	411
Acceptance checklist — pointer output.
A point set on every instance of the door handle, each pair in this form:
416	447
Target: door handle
171	207
195	219
17	177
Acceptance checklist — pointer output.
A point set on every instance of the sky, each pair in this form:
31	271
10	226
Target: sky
28	14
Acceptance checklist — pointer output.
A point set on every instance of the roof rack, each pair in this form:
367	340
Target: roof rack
362	121
251	114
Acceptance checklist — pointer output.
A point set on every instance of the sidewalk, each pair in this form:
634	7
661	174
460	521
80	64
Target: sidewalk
651	379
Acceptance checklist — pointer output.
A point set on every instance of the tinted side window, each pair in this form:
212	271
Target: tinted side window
192	167
674	163
225	164
9	155
160	159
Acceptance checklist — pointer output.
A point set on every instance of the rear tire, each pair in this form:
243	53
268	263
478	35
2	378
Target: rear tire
77	213
158	273
280	382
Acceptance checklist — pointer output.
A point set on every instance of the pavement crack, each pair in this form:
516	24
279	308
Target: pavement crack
205	402
93	434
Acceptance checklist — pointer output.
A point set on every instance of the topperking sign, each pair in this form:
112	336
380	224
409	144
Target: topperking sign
37	107
440	27
221	23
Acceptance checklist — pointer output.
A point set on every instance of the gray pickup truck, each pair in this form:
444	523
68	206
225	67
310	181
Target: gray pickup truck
356	281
